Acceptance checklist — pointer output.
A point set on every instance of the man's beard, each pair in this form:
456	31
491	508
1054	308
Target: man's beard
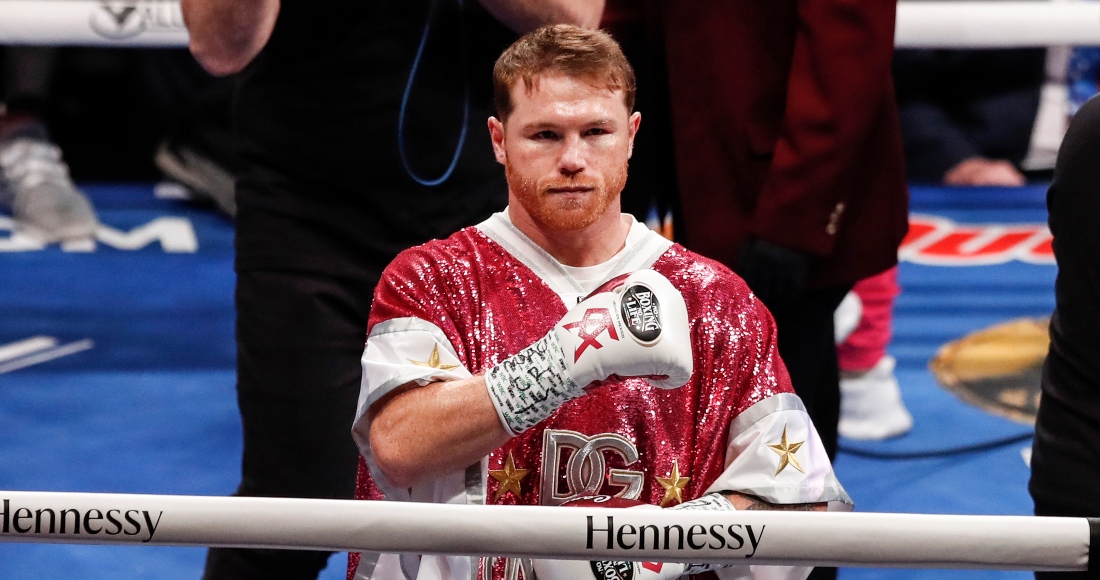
563	211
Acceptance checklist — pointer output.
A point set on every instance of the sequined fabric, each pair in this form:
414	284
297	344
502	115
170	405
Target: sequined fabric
490	306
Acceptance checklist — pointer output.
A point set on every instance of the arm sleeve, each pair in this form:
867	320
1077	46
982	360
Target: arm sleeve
838	84
409	341
771	448
774	452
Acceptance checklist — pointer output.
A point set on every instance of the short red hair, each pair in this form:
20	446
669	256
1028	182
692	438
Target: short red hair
582	53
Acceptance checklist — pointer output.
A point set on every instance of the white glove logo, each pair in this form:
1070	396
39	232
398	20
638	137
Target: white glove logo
619	570
616	570
642	313
590	327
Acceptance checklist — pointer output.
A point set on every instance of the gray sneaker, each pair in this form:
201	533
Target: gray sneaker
37	189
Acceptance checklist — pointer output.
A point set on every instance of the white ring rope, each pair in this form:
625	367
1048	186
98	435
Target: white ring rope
930	24
786	538
950	24
152	23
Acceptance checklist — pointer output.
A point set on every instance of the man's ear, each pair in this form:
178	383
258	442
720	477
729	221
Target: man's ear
496	134
633	123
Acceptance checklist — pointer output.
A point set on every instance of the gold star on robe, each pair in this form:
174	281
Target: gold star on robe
786	453
674	485
508	479
433	361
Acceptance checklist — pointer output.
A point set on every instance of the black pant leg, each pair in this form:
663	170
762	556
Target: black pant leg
807	345
808	348
300	337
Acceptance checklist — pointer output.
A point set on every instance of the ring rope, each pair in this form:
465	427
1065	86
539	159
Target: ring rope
149	23
920	23
757	537
996	24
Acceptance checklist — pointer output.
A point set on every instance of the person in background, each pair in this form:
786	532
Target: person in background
1065	465
357	134
967	115
789	161
871	406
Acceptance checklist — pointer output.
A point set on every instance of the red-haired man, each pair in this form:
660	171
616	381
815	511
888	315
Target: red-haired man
560	349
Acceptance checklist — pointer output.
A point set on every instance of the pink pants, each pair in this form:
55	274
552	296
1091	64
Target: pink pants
867	343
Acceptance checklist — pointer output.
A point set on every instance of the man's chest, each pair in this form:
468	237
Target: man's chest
625	440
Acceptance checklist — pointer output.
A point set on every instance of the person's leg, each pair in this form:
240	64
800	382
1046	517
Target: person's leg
807	345
866	345
300	337
1064	466
871	406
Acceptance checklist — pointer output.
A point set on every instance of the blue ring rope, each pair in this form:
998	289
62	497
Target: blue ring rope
405	102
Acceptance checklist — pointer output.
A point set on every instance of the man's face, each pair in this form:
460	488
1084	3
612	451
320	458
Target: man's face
565	149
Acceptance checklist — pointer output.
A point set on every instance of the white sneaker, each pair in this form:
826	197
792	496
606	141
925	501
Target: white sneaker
36	187
870	404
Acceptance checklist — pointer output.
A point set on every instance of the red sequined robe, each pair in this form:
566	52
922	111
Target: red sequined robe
456	307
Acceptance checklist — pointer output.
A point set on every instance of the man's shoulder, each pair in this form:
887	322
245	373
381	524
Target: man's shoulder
456	254
434	280
689	271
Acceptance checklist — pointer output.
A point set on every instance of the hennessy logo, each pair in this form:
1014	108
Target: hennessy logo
575	466
111	522
674	537
121	19
590	327
642	313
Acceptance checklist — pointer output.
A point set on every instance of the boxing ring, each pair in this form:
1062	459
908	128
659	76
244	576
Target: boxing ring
842	539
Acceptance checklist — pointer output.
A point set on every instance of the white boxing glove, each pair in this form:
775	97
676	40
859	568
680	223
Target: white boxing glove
633	326
606	569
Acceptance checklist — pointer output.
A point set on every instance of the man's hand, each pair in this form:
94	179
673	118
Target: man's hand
227	34
633	327
745	502
774	273
979	171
